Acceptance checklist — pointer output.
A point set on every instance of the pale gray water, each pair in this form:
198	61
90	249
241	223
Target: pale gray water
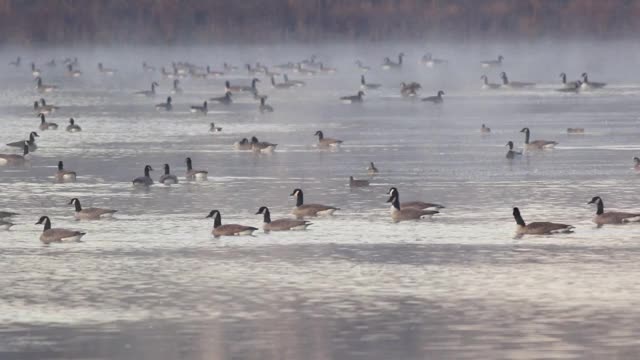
154	284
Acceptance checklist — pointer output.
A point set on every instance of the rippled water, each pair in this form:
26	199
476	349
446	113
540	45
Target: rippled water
153	284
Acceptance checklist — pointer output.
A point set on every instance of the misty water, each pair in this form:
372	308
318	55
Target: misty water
153	283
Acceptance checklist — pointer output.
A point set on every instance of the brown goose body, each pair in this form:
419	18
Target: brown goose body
611	217
303	210
90	213
539	228
228	229
326	142
15	159
51	235
191	174
401	213
63	175
280	224
357	183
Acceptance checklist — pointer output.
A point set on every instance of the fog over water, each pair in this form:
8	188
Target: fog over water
153	283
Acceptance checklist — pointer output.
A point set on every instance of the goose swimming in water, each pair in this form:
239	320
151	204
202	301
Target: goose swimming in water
229	67
51	63
435	99
326	142
213	128
17	62
168	75
611	217
200	109
225	99
368	86
51	235
588	85
166	106
73	73
514	84
485	130
167	178
357	183
35	72
536	144
388	64
106	71
429	61
362	67
636	163
262	146
486	85
42	87
145	180
176	88
44	125
43	108
353	99
512	154
326	70
539	228
15	159
298	83
243	144
212	74
574	89
148	68
420	205
409	90
280	224
303	210
570	84
90	213
575	131
372	169
148	93
63	175
31	142
243	88
492	63
281	86
302	71
228	229
191	174
403	213
263	107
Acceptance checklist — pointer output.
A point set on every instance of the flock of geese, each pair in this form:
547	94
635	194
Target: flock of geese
400	211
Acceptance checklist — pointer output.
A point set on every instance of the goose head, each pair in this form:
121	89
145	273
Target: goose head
71	121
595	200
319	134
510	145
636	160
525	130
440	93
500	58
43	220
262	210
296	192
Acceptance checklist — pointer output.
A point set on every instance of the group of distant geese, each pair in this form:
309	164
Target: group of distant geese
414	210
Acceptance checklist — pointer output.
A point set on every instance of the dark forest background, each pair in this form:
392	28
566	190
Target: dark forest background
26	22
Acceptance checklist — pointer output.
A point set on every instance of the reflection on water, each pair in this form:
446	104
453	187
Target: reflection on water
153	284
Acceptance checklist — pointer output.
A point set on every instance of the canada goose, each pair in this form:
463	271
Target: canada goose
229	67
148	68
486	85
435	99
353	99
512	154
570	84
148	93
575	131
280	224
287	66
31	142
303	210
243	144
368	86
514	84
264	107
7	214
90	213
50	235
44	125
302	71
73	73
262	146
326	142
44	88
192	174
43	108
573	87
362	67
485	130
492	63
144	180
166	106
539	228
372	169
388	64
51	63
17	62
228	229
176	88
326	70
409	90
200	109
636	163
281	86
14	159
212	73
225	99
243	88
429	61
213	128
536	144
611	217
399	213
166	74
168	178
5	225
63	175
251	71
35	72
298	83
420	205
588	85
357	183
106	71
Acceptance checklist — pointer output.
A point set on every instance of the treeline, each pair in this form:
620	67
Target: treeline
205	21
